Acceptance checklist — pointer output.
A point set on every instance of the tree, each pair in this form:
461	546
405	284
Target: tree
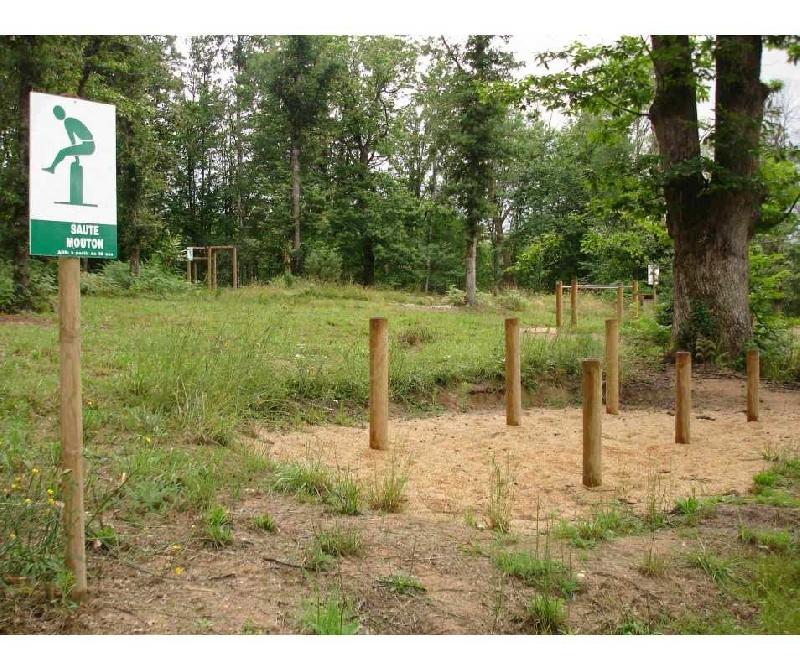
476	137
713	204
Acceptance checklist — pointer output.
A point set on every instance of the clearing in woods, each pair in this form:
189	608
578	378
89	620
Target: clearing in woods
230	488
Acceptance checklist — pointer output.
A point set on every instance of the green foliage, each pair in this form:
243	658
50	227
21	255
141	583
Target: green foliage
603	525
777	541
116	279
402	584
388	492
329	615
542	573
265	522
218	532
42	289
546	614
324	264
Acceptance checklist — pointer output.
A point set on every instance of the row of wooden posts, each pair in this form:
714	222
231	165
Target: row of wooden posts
591	391
192	269
573	299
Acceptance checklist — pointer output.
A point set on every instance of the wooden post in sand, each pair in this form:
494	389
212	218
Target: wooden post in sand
620	298
513	376
378	383
592	423
559	296
573	302
635	298
683	396
612	366
753	375
69	315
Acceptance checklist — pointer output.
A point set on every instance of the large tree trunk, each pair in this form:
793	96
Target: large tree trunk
295	170
470	265
134	261
710	220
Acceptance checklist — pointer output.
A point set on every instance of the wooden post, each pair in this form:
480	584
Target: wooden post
573	302
620	298
235	281
378	384
753	374
612	366
513	376
559	296
636	298
195	272
592	423
214	268
209	276
69	315
683	396
189	270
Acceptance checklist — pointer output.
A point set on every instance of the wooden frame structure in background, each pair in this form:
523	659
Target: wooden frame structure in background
211	268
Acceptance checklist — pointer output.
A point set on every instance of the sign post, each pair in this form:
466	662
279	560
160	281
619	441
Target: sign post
73	214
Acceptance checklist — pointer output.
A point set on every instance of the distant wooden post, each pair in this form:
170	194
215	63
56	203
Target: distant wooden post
683	396
69	314
513	375
209	274
235	270
559	296
612	366
573	302
592	423
753	375
620	298
378	384
188	270
214	267
636	298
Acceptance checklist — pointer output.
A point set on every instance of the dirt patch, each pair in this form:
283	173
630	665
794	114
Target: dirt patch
450	457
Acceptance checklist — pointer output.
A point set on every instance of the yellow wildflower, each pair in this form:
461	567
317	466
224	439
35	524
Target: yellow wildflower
12	535
148	440
51	502
34	471
28	502
178	570
15	485
50	492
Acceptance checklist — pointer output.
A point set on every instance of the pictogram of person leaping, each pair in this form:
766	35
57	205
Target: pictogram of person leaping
80	137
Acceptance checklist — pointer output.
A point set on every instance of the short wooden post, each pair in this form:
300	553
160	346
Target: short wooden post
209	274
559	297
612	366
235	270
620	298
592	423
378	383
573	302
189	270
636	298
69	314
513	375
683	396
753	375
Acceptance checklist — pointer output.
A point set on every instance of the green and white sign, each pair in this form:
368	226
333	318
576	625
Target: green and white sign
73	177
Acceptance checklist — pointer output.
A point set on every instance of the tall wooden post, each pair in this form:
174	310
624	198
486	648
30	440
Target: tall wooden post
620	298
378	384
636	298
573	302
683	396
209	274
592	423
235	281
69	314
559	296
513	375
612	366
753	375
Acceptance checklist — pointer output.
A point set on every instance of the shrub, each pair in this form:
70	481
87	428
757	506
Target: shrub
512	300
324	263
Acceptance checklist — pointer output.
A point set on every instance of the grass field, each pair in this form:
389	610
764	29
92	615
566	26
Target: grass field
171	385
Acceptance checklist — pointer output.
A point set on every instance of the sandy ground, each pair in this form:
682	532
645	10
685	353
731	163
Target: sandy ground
449	459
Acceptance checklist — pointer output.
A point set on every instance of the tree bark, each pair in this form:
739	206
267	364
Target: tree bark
295	170
710	218
134	260
470	265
